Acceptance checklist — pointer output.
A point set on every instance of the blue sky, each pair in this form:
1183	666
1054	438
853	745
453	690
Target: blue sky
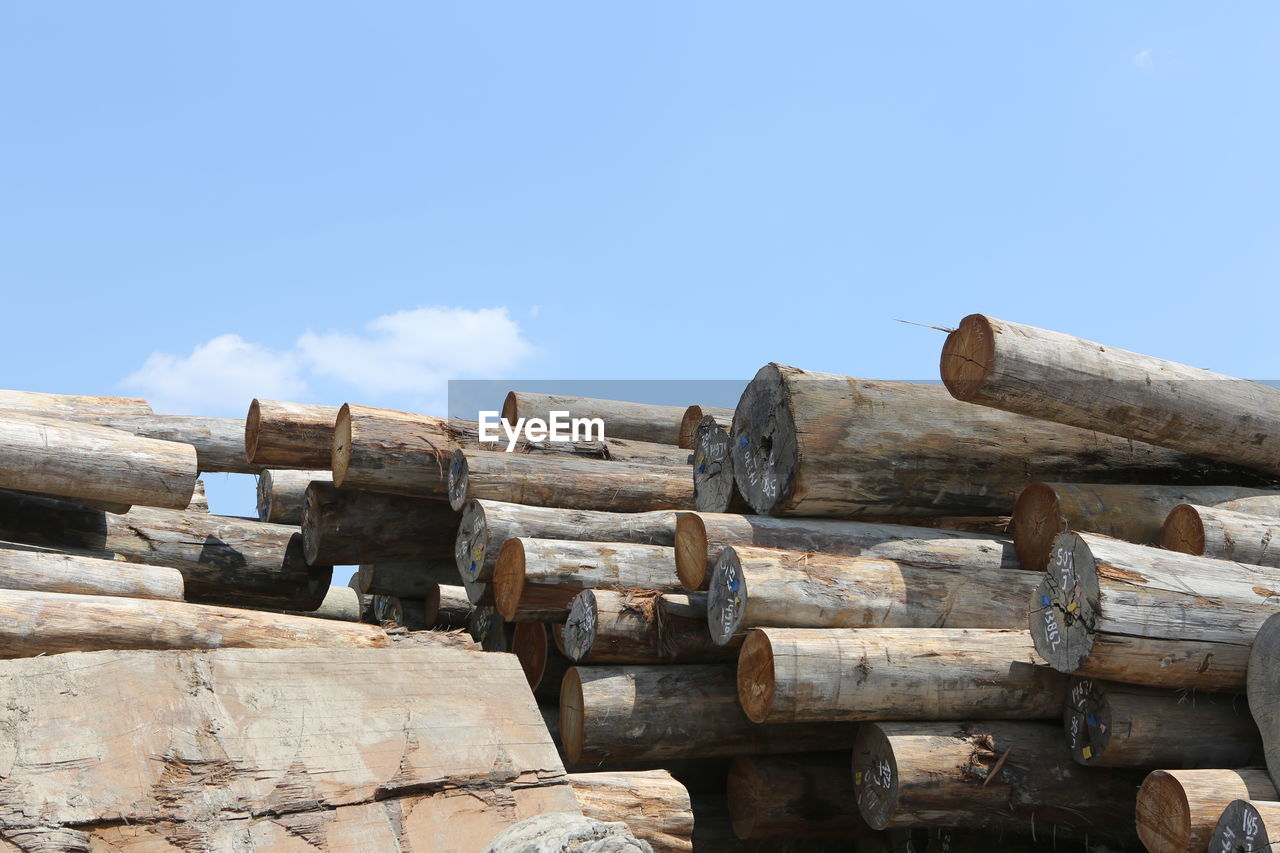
202	203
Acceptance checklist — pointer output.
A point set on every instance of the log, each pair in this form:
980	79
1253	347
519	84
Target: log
384	450
798	795
570	483
453	608
765	587
541	661
536	579
44	571
199	500
1223	534
653	805
986	775
1132	513
347	527
341	603
713	830
366	603
636	421
70	407
219	442
612	627
80	461
701	536
818	444
1062	378
1247	827
805	675
693	418
410	613
1122	612
487	628
289	435
407	580
1123	725
1178	809
281	494
713	486
655	713
1264	689
40	623
223	560
207	741
487	524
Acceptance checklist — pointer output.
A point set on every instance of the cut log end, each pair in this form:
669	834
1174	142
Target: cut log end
691	552
509	578
532	647
579	633
764	443
458	478
1163	813
1037	519
571	717
251	424
472	542
1064	606
727	598
713	486
756	676
510	407
341	444
875	776
312	591
967	357
1183	531
1243	828
1087	720
689	427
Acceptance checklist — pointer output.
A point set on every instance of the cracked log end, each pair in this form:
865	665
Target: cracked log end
727	598
756	676
580	629
1164	814
1064	606
1037	519
458	478
713	488
509	578
691	552
472	543
875	776
1183	531
764	442
1245	827
967	357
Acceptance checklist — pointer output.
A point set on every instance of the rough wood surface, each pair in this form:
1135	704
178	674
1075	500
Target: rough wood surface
654	713
788	675
390	611
199	500
1223	534
341	603
713	487
350	527
542	662
653	805
1129	512
453	608
385	450
71	406
636	421
701	536
289	435
413	579
44	571
611	627
1178	809
219	442
798	795
244	749
536	579
1247	827
223	560
694	416
766	587
1062	378
485	525
81	461
555	832
1123	725
282	493
1264	689
1122	612
568	482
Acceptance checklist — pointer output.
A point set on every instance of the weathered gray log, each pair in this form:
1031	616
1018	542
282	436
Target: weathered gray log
797	795
453	608
693	418
489	630
701	536
219	442
365	602
289	435
282	492
571	483
654	713
1123	725
1223	534
223	560
81	461
1122	612
350	527
713	487
621	419
1132	513
485	525
71	407
199	500
1247	827
385	450
764	587
1063	378
415	579
341	603
652	803
45	571
1264	689
790	675
635	626
1178	809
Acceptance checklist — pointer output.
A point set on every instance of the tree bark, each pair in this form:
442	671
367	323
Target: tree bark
282	492
713	487
349	527
612	627
80	461
986	775
1223	535
407	580
1122	612
536	579
802	675
653	805
1178	809
223	560
487	524
289	435
797	795
701	536
1121	725
758	587
1264	689
46	571
219	442
70	407
1132	513
654	713
570	483
693	418
636	421
1248	827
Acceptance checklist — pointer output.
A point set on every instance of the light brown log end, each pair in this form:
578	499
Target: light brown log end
579	633
511	407
691	552
1065	604
509	578
251	424
341	452
571	718
1037	519
756	676
472	542
967	357
726	598
1177	810
532	646
458	477
1163	814
1183	531
688	427
875	776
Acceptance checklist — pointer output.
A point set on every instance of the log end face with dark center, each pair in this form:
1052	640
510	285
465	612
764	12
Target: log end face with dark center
763	448
967	357
875	776
1241	829
580	628
691	552
571	716
756	676
471	544
726	598
1037	519
341	453
1183	531
458	480
509	578
251	423
713	486
1064	605
1087	721
1163	814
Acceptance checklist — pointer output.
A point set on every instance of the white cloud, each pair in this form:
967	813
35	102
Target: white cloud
220	376
1143	59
